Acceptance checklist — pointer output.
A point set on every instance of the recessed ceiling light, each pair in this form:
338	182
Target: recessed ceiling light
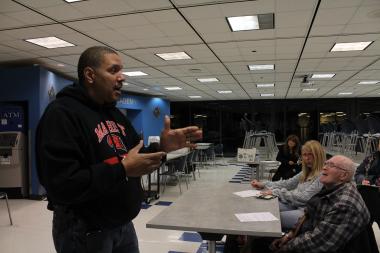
173	88
261	67
350	46
135	73
264	85
309	89
322	76
174	56
50	42
369	82
224	91
208	80
243	23
125	83
267	95
345	93
145	89
72	1
195	97
60	65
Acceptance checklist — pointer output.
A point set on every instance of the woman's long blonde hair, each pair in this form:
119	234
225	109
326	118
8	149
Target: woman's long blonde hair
319	156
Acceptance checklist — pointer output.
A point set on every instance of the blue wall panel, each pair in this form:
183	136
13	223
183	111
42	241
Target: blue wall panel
151	124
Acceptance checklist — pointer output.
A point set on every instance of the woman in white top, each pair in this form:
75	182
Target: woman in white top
294	192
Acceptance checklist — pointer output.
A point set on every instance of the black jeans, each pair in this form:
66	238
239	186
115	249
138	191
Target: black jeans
71	235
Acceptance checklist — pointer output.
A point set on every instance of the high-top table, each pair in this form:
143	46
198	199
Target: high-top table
211	211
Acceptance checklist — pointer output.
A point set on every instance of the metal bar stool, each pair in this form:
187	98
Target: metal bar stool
4	195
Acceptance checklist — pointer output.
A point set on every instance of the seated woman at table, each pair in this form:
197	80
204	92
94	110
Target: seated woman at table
368	172
288	155
294	192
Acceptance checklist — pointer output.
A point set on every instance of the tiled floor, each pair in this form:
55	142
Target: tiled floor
31	232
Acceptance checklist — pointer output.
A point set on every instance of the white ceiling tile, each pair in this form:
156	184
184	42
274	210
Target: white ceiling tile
11	6
294	5
139	5
326	30
131	20
180	28
202	12
329	16
290	32
87	25
292	19
7	22
62	12
141	32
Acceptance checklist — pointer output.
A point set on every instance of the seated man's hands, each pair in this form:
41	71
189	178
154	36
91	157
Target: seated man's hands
256	184
277	244
267	192
366	182
136	164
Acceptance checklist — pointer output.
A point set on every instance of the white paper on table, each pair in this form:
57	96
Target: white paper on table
261	216
248	193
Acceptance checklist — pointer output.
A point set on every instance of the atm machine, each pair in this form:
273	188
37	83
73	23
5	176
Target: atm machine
13	172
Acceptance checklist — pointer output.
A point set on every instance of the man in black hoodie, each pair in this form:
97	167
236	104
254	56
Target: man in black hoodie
90	159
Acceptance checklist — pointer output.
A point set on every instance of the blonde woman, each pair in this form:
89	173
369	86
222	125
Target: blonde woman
294	192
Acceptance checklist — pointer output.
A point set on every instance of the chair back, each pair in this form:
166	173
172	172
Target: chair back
371	197
364	242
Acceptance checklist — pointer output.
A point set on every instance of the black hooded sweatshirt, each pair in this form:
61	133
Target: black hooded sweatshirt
79	146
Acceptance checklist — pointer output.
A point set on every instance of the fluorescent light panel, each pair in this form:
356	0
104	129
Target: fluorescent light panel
345	93
350	46
72	1
174	56
264	85
243	23
208	80
173	88
195	96
369	82
261	67
135	73
309	89
323	76
224	91
50	42
267	95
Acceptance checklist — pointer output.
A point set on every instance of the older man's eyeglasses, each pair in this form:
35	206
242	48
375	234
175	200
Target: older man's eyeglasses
332	165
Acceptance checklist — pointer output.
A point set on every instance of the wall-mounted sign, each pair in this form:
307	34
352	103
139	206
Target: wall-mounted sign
127	101
11	117
156	112
51	93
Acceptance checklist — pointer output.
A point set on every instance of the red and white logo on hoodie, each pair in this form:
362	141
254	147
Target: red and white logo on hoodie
115	141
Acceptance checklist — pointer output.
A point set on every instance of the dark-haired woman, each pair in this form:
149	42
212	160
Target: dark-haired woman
288	155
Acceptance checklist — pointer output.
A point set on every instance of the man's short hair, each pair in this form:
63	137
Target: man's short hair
346	164
92	57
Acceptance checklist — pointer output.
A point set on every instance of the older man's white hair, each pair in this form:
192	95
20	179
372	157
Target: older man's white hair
345	163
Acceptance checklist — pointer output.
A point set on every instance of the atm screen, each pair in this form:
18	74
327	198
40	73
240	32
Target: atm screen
8	140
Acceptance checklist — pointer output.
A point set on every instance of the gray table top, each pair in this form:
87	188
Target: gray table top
212	209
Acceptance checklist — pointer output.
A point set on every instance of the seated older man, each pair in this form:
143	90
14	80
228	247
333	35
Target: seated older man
332	217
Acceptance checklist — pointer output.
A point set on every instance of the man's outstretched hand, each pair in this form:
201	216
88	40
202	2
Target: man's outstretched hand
173	139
